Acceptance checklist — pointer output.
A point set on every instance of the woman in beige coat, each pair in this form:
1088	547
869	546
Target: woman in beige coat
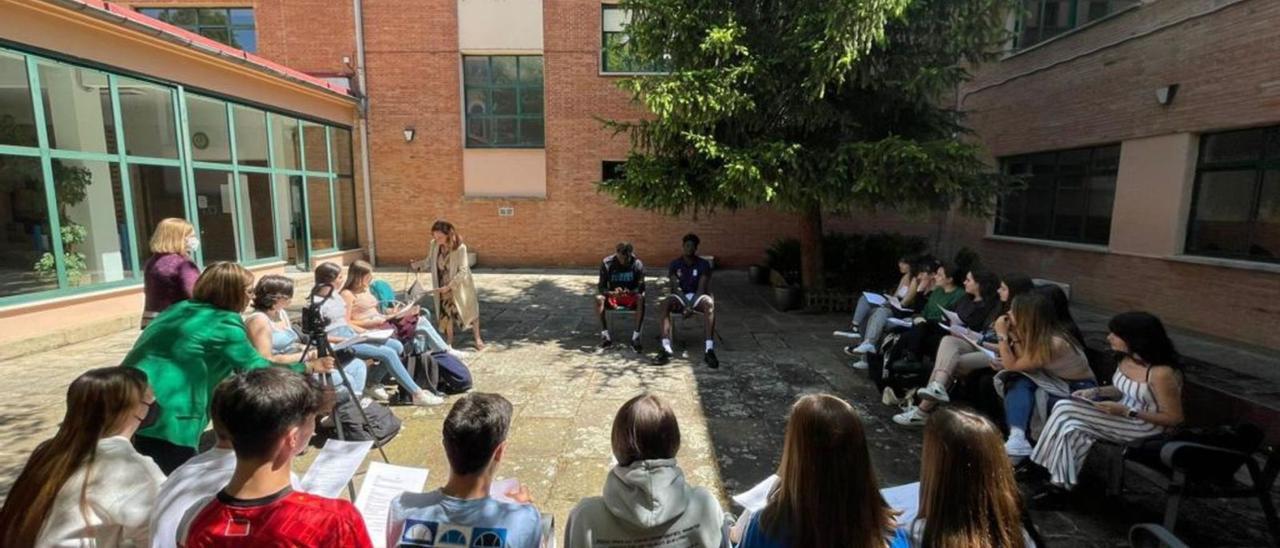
456	303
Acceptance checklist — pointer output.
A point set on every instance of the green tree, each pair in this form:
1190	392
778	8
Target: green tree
809	106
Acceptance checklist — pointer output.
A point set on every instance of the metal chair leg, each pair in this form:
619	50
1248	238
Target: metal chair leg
1175	499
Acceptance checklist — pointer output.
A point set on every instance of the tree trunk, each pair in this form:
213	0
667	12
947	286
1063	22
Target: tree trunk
811	248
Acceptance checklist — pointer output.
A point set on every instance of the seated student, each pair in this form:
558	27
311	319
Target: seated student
976	308
690	278
1144	399
475	442
87	486
862	311
365	310
922	278
1039	361
958	356
387	352
979	508
827	493
621	287
646	501
274	337
270	415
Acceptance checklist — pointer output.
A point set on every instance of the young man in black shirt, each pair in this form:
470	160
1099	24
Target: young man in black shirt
690	279
621	287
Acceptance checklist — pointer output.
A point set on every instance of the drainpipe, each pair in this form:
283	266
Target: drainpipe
363	124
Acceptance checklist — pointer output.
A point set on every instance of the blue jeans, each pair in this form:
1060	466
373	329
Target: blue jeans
875	325
388	356
356	371
1020	399
427	334
861	311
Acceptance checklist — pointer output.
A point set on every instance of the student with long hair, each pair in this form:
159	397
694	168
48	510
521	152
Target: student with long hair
976	308
456	302
1144	399
87	485
646	500
862	311
169	275
968	496
363	308
958	356
827	493
188	350
1040	362
918	289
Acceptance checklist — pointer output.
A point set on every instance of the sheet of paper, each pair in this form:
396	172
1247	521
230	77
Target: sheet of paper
499	488
905	499
900	322
378	334
757	497
873	298
897	304
350	342
383	482
337	462
953	318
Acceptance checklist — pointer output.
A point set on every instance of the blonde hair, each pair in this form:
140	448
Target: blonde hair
224	285
1035	326
171	236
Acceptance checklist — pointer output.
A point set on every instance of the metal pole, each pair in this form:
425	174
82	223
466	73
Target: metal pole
362	123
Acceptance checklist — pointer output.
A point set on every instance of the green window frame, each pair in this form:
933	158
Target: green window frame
233	26
503	101
1235	202
335	161
615	47
1069	197
1040	20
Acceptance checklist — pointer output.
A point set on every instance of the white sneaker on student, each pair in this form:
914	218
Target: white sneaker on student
865	348
426	399
913	416
860	365
377	393
1017	446
936	392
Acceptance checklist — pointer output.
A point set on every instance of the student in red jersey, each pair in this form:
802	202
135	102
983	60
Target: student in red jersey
270	415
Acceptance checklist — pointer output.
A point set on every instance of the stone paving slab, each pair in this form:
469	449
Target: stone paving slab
542	335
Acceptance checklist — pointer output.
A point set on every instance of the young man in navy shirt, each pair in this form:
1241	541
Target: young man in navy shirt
691	281
621	288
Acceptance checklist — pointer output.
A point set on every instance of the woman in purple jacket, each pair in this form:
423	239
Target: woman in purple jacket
169	274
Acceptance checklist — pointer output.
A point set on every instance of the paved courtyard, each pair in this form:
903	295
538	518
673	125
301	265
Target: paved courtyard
542	356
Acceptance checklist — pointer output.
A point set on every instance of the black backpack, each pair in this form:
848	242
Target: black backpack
383	425
439	372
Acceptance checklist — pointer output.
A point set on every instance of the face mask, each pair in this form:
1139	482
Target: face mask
153	414
193	244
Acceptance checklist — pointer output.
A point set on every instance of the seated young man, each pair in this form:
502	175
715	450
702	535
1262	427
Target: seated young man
270	415
690	281
621	288
462	512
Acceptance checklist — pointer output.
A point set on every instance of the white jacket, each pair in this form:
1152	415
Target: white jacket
647	504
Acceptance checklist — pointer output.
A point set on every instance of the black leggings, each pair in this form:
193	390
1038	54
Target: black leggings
167	455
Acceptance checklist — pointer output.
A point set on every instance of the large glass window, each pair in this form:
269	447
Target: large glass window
317	149
284	142
1069	195
615	46
231	26
1041	20
208	129
77	108
17	117
256	216
26	242
341	147
146	111
215	208
1236	208
344	189
320	211
251	135
503	101
157	195
90	201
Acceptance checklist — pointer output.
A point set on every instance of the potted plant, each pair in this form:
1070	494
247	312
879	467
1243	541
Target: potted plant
787	294
758	274
783	260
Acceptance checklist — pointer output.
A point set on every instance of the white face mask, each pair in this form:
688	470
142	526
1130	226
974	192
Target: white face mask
193	244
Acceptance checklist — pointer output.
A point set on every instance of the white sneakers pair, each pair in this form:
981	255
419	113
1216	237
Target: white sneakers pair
914	416
426	399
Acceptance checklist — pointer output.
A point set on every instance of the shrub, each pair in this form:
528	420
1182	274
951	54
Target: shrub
851	262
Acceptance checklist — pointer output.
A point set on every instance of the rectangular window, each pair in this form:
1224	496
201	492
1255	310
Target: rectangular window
146	111
344	189
1235	211
157	195
1040	20
77	108
231	26
26	246
320	209
17	117
215	208
209	132
615	46
284	141
503	101
1068	197
610	169
251	135
256	216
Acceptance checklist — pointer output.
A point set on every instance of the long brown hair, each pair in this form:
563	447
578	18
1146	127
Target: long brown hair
827	493
224	285
645	428
356	272
445	227
968	497
96	401
1035	326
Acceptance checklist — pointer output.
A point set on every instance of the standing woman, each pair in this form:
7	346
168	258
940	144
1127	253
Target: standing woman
169	275
456	303
87	486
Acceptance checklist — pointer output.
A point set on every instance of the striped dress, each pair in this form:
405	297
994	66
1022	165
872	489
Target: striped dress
1074	426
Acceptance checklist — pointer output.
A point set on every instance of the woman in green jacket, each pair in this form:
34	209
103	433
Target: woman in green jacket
187	350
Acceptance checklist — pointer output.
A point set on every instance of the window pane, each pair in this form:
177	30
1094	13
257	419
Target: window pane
289	217
1010	220
147	113
91	207
1030	23
531	132
531	101
1106	159
1266	230
256	216
207	119
321	218
1074	161
614	18
475	71
245	39
251	135
215	204
1223	203
478	131
25	216
340	139
504	71
214	17
241	16
17	117
1039	199
504	101
477	101
1056	19
1102	196
77	106
154	13
157	195
315	147
531	71
284	136
504	131
348	231
1068	209
1234	146
184	17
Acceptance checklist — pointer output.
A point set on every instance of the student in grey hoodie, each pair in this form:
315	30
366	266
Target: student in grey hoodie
646	501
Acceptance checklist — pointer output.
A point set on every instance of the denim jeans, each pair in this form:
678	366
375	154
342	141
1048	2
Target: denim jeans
356	371
861	311
875	325
388	356
427	338
1020	399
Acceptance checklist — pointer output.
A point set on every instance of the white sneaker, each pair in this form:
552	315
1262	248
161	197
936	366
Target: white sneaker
936	392
426	399
460	354
377	393
860	365
913	416
865	348
1017	446
847	334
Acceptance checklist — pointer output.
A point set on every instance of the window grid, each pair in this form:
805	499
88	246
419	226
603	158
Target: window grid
528	129
1046	15
218	24
615	47
1014	209
1265	161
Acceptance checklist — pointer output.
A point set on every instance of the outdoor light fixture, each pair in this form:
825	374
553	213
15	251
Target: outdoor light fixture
1165	94
408	134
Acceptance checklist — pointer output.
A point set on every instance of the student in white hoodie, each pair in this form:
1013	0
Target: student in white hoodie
646	501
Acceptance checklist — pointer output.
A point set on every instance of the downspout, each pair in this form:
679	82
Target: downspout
363	122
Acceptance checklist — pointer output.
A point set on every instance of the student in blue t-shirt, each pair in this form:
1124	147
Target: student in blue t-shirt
690	277
462	512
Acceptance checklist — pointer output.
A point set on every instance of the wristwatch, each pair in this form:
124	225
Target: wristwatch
1133	414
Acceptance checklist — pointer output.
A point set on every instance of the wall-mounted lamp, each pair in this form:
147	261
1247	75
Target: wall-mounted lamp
408	134
1165	94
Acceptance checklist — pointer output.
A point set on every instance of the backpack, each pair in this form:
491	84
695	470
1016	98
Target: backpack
438	371
889	367
383	425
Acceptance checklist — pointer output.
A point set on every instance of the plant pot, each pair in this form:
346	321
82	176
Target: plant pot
757	274
788	298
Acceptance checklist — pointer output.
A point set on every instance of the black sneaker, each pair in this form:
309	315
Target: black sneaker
711	359
605	343
635	345
662	358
